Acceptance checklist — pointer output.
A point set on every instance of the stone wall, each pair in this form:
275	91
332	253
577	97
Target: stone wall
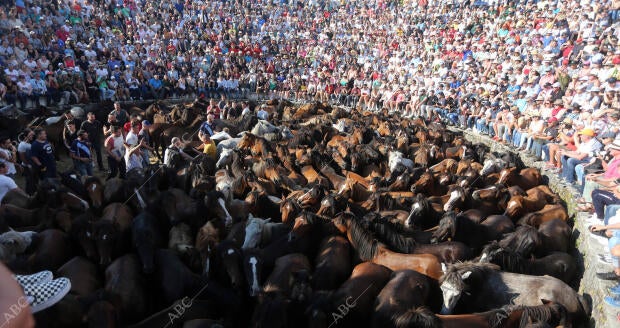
586	248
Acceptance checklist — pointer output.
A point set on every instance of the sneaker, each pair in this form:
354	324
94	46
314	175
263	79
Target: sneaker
615	289
34	279
613	301
604	258
607	275
44	295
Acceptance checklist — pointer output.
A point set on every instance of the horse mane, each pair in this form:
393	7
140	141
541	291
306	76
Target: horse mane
365	242
510	261
523	241
390	234
554	314
421	317
454	271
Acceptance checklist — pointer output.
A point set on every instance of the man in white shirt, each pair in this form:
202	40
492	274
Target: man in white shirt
6	183
38	87
24	91
132	137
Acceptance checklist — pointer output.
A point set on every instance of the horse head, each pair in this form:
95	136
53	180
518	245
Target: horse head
506	175
489	252
456	281
253	231
446	229
457	194
230	259
419	208
226	157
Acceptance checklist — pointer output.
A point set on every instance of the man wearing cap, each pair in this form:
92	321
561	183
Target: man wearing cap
81	154
586	144
94	131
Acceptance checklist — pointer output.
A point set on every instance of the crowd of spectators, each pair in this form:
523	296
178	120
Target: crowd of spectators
541	76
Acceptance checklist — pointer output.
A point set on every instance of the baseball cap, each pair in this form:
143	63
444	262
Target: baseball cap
587	132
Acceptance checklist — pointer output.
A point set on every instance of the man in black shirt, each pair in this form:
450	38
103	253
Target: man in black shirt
94	129
42	155
107	126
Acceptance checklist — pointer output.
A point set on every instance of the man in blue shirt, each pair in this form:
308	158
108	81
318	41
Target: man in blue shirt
157	87
208	127
80	153
42	155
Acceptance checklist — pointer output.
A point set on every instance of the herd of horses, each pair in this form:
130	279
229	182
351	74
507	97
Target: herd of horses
320	218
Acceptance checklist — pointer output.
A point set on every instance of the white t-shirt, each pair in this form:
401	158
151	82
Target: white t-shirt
6	184
132	161
131	139
9	165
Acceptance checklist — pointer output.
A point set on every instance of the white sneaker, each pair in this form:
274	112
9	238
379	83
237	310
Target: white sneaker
43	296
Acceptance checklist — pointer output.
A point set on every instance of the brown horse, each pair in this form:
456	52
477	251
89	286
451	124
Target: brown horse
111	232
95	190
369	249
547	213
526	179
332	264
406	290
358	293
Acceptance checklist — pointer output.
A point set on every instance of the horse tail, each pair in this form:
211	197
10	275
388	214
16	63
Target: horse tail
586	306
420	317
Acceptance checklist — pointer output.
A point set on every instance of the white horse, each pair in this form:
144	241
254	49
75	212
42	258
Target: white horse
258	231
13	242
226	156
397	159
263	127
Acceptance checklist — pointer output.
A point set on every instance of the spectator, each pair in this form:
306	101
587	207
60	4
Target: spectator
262	114
133	157
586	144
42	155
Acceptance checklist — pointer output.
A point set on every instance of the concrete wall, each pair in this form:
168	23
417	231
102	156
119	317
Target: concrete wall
587	248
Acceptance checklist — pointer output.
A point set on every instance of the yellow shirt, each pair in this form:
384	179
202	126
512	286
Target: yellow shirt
210	149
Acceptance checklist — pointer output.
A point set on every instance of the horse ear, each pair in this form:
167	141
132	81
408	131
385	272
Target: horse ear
444	268
544	301
466	275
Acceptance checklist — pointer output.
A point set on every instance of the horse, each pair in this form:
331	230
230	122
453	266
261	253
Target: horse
547	213
524	241
446	252
260	232
95	190
557	264
83	275
369	249
491	288
422	214
332	263
526	179
290	208
406	290
361	289
49	250
264	205
13	243
459	228
148	233
112	232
